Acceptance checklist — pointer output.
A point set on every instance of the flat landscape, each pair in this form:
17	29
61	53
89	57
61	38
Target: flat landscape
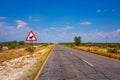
59	39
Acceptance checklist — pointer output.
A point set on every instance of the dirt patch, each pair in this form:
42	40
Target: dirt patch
18	68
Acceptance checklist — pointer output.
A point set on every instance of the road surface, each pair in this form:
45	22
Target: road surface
69	64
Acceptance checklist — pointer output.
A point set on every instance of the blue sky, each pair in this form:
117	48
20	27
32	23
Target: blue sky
60	20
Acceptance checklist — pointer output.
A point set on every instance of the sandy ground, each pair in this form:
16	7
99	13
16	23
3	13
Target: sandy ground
18	68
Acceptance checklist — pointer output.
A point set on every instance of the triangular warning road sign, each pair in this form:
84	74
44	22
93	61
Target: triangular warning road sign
31	36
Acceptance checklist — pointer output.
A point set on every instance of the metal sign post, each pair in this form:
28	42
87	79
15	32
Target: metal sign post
31	38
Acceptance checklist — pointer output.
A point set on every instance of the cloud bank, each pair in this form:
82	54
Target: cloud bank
21	24
86	23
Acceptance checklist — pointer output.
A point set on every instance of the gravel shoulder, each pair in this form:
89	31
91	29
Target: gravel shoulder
19	68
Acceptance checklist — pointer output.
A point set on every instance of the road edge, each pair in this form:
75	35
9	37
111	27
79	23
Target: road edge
93	53
43	65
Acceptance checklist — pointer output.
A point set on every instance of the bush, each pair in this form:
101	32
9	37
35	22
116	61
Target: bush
45	44
112	50
88	50
77	40
21	43
1	46
30	49
11	46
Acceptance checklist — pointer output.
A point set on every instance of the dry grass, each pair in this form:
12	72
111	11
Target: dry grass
92	49
10	54
39	56
40	61
99	51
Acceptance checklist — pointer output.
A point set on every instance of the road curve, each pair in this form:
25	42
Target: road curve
69	64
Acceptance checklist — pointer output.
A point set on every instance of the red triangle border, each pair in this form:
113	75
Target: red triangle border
33	35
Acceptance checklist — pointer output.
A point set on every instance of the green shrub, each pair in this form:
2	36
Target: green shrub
11	46
77	40
30	49
45	44
72	45
1	46
112	50
21	42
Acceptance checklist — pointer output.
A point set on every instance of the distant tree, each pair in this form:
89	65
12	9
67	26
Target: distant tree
1	46
21	42
13	42
77	40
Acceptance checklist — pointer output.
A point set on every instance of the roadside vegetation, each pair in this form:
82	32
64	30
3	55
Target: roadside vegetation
1	46
111	50
40	61
13	49
20	57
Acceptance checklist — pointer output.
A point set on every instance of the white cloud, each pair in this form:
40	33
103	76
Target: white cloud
2	18
86	23
115	33
21	24
68	28
2	23
113	36
52	28
59	29
10	33
105	10
30	17
54	34
33	19
98	10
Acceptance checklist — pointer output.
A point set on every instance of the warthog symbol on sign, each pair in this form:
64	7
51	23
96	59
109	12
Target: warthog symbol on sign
31	37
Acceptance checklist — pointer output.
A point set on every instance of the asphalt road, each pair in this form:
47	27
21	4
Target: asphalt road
69	64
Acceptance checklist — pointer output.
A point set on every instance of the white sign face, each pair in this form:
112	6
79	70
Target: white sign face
31	37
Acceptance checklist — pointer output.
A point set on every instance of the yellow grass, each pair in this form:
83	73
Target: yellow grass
10	54
40	61
99	51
